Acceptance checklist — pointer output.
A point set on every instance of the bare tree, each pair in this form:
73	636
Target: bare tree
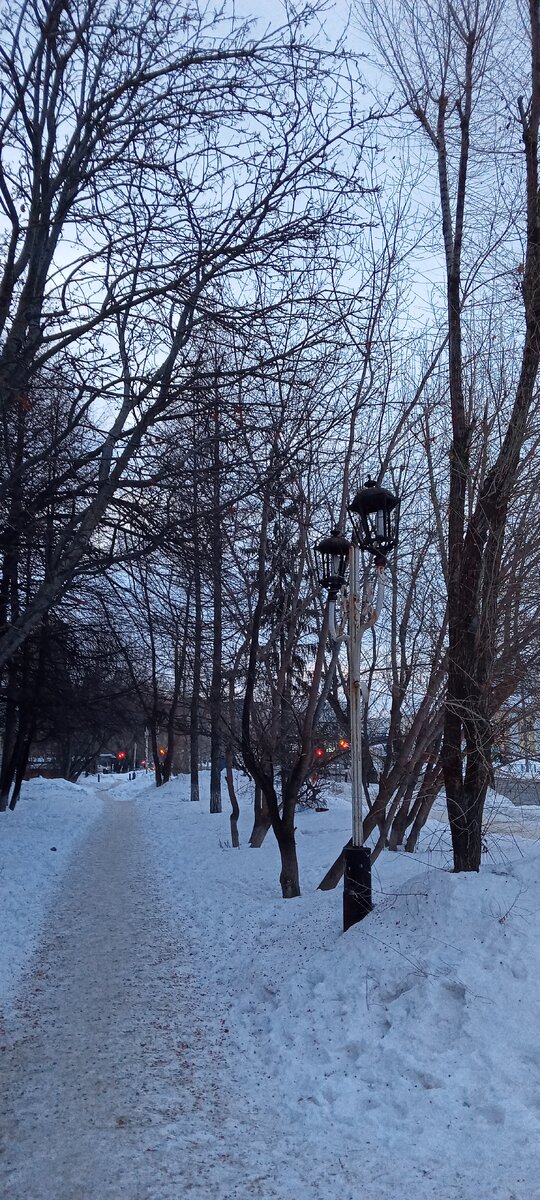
157	165
446	60
277	729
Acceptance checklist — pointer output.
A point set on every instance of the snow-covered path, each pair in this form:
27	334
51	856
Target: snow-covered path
94	1076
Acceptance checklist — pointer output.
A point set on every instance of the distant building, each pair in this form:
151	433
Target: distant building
105	763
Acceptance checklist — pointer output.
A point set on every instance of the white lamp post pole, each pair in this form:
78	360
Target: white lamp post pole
374	532
354	646
362	608
363	612
361	618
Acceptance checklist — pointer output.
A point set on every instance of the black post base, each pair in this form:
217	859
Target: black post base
356	885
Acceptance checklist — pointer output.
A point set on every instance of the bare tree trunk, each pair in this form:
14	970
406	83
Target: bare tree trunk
30	688
261	821
289	877
9	611
7	770
217	633
20	772
401	820
194	725
235	808
335	872
429	790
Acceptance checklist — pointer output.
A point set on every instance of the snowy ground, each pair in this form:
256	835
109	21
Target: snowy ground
174	1029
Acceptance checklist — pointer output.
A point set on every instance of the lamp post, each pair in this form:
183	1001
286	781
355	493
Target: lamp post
372	513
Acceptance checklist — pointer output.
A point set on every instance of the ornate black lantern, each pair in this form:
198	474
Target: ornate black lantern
333	555
373	514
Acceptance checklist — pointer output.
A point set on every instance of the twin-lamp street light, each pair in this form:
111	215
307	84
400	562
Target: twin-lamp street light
373	517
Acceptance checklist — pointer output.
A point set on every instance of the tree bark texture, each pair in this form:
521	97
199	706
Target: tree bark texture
261	819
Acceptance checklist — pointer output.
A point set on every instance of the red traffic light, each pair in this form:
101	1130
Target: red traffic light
121	754
320	752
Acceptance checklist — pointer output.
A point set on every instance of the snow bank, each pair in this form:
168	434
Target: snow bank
36	843
413	1039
